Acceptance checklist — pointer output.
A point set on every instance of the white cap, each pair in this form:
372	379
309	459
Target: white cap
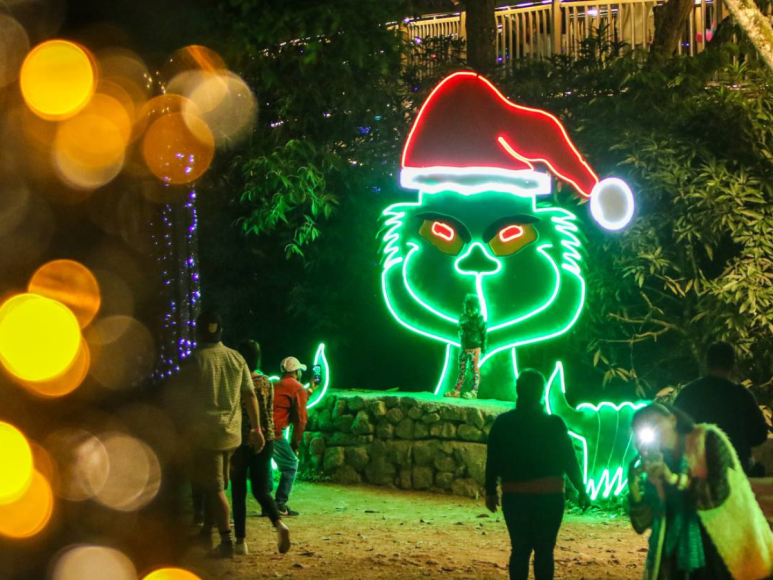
291	364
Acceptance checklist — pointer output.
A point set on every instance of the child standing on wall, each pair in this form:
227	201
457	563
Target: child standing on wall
472	334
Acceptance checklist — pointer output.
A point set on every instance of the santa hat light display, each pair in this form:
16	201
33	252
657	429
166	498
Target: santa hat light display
469	138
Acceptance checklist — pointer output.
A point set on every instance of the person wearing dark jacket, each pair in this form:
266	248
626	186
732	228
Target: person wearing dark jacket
472	336
717	400
528	453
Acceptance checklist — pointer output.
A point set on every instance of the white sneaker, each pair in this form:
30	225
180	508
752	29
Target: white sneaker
282	538
242	549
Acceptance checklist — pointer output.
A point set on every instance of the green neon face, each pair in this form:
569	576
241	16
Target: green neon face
522	260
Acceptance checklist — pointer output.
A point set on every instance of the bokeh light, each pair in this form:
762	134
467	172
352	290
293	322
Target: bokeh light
123	351
16	459
84	562
70	283
39	337
65	383
178	148
30	513
134	477
226	105
126	70
160	106
194	57
89	148
171	574
82	463
14	45
58	78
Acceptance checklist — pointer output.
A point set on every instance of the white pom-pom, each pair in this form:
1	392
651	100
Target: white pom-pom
611	203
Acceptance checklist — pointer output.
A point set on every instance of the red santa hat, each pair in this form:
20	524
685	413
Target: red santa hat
468	137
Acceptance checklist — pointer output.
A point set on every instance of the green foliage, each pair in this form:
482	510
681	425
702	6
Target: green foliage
693	138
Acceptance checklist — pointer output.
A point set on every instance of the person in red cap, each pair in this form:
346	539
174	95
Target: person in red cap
290	400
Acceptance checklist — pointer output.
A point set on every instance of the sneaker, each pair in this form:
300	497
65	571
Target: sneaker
285	510
242	549
453	394
283	538
470	395
223	551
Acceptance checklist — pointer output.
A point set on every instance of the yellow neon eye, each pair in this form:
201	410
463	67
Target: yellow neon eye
512	238
443	236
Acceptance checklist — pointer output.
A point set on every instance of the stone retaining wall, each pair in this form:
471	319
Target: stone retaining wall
412	441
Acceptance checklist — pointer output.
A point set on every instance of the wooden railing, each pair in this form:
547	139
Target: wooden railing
550	27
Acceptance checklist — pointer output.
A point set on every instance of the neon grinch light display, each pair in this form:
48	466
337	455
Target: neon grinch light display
481	223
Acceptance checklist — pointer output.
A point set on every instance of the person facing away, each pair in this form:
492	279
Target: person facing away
219	380
688	487
290	399
717	400
472	335
529	452
246	463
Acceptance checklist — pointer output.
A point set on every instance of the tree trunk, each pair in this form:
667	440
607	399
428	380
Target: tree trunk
756	26
481	31
669	26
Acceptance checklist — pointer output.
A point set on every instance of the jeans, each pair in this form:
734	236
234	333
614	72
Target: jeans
533	521
469	357
257	466
287	463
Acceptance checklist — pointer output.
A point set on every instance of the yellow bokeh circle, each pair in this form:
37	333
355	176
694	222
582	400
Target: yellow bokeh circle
39	337
30	513
171	574
57	79
16	459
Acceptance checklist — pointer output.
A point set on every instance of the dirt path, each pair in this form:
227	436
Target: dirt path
347	532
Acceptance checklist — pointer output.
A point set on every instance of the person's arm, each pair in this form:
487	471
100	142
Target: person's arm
299	416
756	426
571	464
493	465
257	440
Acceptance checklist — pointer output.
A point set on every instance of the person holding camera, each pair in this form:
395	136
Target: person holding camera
529	452
689	488
290	400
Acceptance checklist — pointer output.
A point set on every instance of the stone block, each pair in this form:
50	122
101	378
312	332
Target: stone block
343	423
377	449
430	418
445	463
391	401
345	439
469	433
404	480
466	487
334	458
395	415
399	452
355	403
317	446
311	424
443	430
443	480
422	477
404	429
420	431
325	422
473	456
362	424
424	452
339	408
346	475
487	428
357	457
474	417
452	413
415	413
376	408
385	430
380	471
408	402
